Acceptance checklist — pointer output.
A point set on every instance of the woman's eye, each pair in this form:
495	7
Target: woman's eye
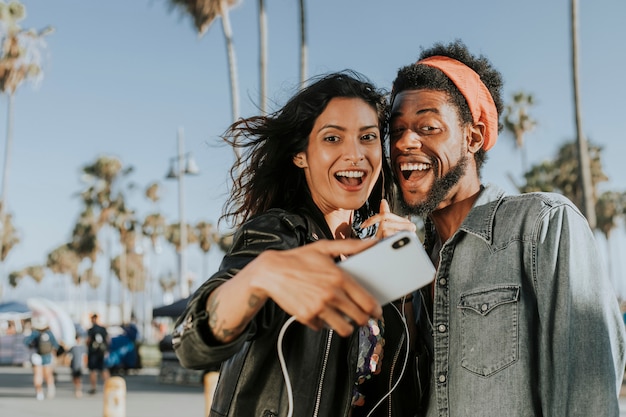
331	138
369	137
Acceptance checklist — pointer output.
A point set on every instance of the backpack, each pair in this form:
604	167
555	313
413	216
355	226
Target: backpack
98	344
44	344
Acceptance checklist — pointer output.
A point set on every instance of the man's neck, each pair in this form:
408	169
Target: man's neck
448	219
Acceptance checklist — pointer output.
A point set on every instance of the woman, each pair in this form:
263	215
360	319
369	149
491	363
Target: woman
312	172
44	346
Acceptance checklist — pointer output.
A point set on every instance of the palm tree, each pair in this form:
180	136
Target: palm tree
104	209
263	56
172	235
303	45
561	175
609	208
203	13
19	61
36	272
206	237
64	260
588	206
9	237
519	122
167	286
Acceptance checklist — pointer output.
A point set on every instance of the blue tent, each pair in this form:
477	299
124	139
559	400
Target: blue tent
14	307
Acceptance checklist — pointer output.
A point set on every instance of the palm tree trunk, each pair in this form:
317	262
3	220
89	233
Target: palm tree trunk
584	164
263	55
303	45
109	279
6	168
232	66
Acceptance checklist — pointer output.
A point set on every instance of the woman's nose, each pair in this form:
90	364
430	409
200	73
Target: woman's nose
354	151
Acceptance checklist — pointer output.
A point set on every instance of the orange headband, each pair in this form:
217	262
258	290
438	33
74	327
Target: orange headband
476	94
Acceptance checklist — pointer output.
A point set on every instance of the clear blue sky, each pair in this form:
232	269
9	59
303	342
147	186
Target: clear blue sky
121	77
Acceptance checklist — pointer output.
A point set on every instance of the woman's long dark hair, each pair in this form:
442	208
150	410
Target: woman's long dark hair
265	177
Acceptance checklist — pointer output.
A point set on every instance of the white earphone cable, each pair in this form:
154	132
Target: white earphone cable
406	358
283	365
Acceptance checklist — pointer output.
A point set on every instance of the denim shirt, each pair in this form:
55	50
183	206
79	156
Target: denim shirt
525	321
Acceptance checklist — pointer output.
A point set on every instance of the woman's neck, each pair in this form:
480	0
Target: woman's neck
340	223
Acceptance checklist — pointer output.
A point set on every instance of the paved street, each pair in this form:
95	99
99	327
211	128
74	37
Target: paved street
145	397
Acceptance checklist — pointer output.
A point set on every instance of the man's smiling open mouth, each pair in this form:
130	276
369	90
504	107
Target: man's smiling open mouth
408	168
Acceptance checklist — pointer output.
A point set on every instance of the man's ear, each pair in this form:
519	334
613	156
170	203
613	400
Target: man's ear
300	160
475	136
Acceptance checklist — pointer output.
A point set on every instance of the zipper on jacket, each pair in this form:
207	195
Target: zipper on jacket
318	398
393	368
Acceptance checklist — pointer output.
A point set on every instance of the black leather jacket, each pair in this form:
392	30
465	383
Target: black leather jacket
321	364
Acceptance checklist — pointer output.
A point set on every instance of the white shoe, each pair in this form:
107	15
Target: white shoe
40	396
51	391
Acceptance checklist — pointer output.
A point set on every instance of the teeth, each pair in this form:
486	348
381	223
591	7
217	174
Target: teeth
350	174
409	166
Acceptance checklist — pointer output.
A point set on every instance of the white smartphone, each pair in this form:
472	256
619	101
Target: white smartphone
392	268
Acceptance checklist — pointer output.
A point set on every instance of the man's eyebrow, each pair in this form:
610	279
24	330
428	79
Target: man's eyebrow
420	111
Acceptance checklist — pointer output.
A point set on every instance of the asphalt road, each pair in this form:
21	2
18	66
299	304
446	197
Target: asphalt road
145	397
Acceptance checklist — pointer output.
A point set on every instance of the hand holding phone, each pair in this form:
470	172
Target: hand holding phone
392	268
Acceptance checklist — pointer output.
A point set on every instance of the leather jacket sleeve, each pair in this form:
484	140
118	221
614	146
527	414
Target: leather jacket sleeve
192	339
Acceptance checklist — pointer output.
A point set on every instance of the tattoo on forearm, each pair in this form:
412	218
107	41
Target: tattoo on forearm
217	326
253	301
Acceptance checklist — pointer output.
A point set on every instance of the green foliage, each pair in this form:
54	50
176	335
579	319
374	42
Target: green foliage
561	175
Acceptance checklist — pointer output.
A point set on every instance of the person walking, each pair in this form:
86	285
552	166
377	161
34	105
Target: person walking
44	345
78	360
97	348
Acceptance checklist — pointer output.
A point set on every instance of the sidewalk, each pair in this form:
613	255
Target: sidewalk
145	396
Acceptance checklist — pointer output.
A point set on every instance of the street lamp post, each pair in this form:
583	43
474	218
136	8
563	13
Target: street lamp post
180	166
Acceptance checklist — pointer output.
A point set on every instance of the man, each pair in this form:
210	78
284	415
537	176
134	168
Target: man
97	346
520	320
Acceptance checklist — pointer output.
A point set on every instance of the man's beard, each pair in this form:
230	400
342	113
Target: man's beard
439	190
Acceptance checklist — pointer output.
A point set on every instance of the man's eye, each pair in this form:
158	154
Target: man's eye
396	133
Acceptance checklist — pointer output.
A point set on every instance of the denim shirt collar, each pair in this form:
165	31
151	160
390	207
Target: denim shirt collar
479	220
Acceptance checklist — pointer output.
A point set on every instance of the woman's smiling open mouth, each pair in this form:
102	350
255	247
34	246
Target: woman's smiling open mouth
350	178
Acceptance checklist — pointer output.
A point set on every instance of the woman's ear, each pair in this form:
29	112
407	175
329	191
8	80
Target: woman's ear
300	160
475	136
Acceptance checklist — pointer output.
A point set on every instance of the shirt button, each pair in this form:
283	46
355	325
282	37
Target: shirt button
442	328
442	378
484	307
315	236
443	282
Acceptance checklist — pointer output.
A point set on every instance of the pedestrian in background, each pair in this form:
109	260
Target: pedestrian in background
97	347
78	360
44	346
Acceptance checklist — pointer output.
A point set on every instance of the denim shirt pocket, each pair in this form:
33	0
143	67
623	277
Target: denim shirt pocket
489	334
